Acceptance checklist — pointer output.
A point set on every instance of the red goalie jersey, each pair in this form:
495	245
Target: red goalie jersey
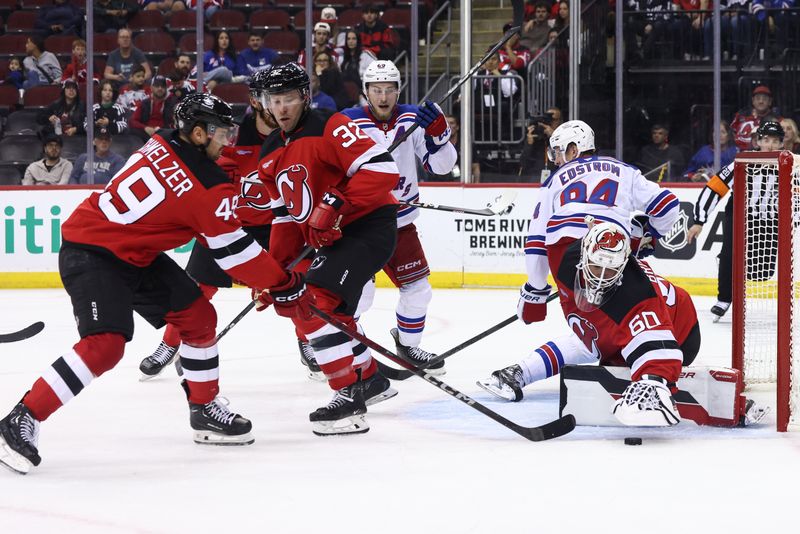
168	193
327	151
643	325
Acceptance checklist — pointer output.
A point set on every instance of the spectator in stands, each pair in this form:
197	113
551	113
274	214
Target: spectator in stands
184	76
687	27
108	115
735	29
561	18
61	18
210	7
322	33
791	139
105	162
167	7
15	75
508	85
660	153
154	112
534	31
134	91
319	99
65	116
533	160
376	36
642	30
121	61
514	54
701	166
337	38
746	121
776	21
330	79
355	59
255	57
41	67
219	63
52	169
111	15
76	70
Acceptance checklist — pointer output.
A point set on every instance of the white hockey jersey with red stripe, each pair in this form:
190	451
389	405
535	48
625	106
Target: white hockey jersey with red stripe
438	159
602	187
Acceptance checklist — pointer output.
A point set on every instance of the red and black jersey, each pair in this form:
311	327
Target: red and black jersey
642	325
325	151
167	193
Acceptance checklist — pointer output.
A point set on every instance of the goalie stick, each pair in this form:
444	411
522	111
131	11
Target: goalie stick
25	333
553	429
403	375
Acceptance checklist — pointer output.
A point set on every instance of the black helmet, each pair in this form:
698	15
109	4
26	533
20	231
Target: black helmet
258	81
770	128
202	108
283	78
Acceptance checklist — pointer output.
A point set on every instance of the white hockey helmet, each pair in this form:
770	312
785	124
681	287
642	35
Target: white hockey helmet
380	71
577	132
605	251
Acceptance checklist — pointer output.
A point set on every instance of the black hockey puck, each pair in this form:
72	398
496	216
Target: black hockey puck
633	441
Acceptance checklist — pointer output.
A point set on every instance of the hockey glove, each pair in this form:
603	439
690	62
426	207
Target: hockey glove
532	306
291	299
431	118
643	240
323	225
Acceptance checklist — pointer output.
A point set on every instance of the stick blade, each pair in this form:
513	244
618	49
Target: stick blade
25	333
503	204
554	429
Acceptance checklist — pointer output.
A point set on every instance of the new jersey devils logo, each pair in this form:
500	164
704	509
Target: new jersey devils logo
611	240
253	192
296	194
586	332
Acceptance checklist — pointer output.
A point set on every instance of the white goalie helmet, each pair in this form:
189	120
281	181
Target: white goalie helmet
605	251
577	132
380	71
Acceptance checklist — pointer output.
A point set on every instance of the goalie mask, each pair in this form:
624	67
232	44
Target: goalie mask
605	250
577	132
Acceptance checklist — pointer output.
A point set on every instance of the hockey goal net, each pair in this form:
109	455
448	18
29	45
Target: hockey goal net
766	278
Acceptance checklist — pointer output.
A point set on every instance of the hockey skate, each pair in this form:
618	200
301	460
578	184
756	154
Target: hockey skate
753	413
152	366
19	433
214	424
344	414
719	310
416	356
308	360
505	383
377	388
647	402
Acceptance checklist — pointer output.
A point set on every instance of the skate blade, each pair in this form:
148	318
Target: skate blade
441	371
13	460
317	376
386	395
145	378
716	318
504	393
206	437
355	424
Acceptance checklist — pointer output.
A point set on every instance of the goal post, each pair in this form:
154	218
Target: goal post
766	307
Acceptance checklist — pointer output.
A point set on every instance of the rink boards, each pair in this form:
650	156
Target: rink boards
462	250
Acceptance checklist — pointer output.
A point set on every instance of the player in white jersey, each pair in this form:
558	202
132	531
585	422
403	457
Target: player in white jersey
384	120
585	184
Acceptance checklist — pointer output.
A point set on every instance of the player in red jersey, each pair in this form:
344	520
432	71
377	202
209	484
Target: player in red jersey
112	263
252	210
620	313
331	187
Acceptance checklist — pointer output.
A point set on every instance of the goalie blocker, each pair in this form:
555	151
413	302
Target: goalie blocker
707	395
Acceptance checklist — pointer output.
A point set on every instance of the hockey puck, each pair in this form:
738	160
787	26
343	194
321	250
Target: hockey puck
633	441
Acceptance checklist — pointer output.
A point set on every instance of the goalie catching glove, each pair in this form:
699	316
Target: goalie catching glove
532	305
291	299
431	117
323	225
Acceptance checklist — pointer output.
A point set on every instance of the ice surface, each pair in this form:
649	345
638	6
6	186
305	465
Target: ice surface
119	457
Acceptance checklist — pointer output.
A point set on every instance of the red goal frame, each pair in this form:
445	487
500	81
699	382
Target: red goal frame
784	161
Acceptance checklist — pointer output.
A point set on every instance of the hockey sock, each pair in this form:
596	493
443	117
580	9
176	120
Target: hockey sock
361	353
198	350
367	368
172	336
411	311
544	362
340	373
67	376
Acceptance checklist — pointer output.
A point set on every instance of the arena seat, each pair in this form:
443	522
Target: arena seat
22	122
9	99
20	149
270	19
284	42
21	22
228	20
300	19
10	175
147	21
41	96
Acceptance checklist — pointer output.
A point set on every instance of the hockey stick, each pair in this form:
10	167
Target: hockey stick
25	333
506	36
499	206
403	375
559	427
252	304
